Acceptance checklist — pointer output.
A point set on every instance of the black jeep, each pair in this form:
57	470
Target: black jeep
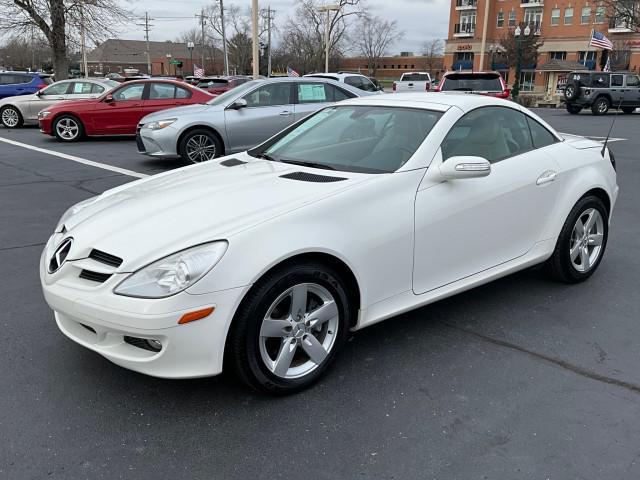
601	91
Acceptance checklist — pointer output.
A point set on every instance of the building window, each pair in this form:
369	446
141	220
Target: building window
588	59
413	66
601	13
391	66
557	55
500	19
586	15
384	66
555	16
527	80
568	16
512	18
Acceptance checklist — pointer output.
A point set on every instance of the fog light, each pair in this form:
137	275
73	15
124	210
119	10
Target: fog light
154	345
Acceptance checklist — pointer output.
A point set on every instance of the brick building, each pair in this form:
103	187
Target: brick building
390	68
564	26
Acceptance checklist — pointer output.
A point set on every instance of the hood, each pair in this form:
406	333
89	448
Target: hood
580	143
180	111
156	216
73	104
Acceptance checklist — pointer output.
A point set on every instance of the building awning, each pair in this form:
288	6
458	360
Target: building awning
560	66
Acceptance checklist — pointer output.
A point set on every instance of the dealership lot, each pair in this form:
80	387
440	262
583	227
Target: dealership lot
522	378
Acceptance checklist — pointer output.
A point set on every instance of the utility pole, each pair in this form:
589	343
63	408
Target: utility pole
483	43
82	40
202	34
224	40
146	37
256	46
269	18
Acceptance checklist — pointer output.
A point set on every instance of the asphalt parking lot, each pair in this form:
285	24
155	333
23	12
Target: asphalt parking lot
520	379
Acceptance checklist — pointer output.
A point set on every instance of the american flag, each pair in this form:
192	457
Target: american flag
198	72
598	40
291	72
607	66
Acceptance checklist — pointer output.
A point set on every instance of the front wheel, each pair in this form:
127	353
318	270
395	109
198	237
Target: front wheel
68	128
600	106
11	117
199	145
573	109
581	243
289	327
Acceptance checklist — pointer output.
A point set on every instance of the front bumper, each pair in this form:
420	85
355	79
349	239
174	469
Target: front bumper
157	143
118	327
45	126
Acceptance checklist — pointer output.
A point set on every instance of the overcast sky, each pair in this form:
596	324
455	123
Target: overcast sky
420	19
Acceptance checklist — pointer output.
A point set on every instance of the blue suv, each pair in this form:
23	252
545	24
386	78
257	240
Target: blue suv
22	83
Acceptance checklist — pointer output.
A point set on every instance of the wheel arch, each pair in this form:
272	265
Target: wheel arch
191	128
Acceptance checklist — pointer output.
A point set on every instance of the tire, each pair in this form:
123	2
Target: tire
573	109
199	145
11	117
565	266
68	128
571	92
601	106
267	308
628	110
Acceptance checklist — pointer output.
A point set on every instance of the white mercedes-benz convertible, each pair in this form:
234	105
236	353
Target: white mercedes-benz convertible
264	261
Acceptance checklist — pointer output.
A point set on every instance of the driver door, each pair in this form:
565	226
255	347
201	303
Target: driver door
269	110
120	116
47	97
465	226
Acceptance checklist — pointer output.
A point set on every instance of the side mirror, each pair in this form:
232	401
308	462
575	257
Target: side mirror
238	104
464	167
108	98
40	93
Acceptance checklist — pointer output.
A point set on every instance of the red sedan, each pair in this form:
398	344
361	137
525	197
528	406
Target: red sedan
118	111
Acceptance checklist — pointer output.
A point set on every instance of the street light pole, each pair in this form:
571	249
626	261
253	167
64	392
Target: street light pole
327	32
82	40
517	34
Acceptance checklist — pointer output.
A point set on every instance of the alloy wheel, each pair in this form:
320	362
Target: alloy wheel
67	128
10	117
602	106
586	240
200	148
299	330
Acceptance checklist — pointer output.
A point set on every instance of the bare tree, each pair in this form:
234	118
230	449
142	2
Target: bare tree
373	36
60	21
623	13
22	53
620	55
432	51
303	36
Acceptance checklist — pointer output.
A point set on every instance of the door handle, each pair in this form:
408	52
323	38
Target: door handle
546	177
285	113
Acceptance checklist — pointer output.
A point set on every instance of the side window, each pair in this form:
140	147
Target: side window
600	80
616	80
368	85
161	91
354	82
182	93
338	93
312	93
493	133
633	81
130	92
270	95
81	88
57	89
97	88
540	135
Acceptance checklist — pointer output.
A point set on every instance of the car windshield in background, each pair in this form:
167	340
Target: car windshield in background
368	139
472	82
111	83
415	77
226	96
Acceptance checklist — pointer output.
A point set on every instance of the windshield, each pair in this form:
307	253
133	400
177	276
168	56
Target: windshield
415	77
355	138
472	82
111	83
228	95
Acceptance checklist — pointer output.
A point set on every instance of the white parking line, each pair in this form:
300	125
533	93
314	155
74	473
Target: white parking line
73	158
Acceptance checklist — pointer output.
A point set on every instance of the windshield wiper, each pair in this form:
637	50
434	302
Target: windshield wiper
266	157
309	164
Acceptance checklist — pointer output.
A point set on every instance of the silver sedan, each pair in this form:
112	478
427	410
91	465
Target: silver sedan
18	110
238	119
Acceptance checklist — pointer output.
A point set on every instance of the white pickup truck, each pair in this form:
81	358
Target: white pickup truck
413	82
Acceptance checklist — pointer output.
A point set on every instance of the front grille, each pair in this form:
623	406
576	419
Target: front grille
232	162
106	258
94	276
311	177
141	343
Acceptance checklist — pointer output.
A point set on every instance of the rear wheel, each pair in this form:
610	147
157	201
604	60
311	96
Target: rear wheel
289	328
199	146
581	243
68	128
628	110
573	109
11	117
600	106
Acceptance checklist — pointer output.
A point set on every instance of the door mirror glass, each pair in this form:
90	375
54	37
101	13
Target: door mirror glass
464	167
238	104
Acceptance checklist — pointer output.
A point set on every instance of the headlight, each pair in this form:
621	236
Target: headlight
72	211
160	124
174	273
43	114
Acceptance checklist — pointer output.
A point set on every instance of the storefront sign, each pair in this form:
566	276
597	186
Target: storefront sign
465	47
